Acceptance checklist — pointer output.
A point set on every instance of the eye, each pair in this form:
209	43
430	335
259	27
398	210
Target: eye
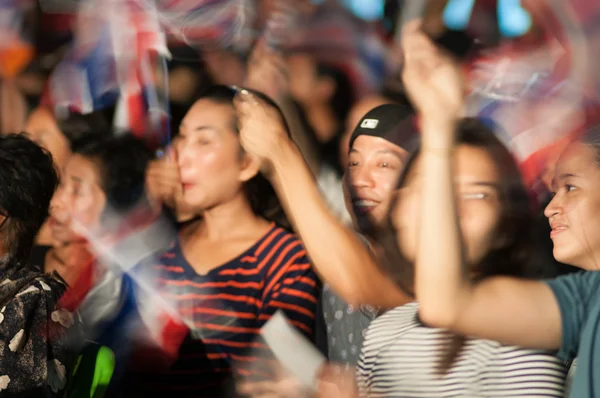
384	164
474	196
570	188
352	163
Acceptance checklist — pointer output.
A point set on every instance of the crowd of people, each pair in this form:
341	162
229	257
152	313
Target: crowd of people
394	233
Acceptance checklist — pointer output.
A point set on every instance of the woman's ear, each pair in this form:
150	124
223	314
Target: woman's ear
251	166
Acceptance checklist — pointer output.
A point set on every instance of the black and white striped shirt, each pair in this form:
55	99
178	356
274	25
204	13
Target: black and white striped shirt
400	357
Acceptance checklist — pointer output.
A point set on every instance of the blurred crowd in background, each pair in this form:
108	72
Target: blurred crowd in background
216	162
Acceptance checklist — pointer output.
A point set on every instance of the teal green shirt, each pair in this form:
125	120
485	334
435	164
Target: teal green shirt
578	297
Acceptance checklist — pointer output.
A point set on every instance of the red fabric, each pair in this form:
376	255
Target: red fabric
76	293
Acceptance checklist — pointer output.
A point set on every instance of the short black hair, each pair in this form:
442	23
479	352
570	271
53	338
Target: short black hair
122	161
75	126
28	180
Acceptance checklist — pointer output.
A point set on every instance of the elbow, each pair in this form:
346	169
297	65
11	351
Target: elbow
351	292
437	316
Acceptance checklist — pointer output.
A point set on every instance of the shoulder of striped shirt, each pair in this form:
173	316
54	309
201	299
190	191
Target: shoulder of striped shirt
292	239
390	326
543	369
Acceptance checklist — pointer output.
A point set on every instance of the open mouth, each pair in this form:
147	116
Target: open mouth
364	205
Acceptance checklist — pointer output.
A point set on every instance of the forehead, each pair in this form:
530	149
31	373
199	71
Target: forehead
208	112
577	159
367	144
472	165
82	168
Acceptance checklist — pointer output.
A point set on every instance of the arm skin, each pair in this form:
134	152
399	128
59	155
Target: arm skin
503	309
336	252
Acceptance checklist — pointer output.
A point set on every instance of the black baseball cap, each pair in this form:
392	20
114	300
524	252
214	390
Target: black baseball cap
393	122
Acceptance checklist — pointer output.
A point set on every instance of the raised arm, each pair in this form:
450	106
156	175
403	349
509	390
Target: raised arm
336	252
267	72
502	309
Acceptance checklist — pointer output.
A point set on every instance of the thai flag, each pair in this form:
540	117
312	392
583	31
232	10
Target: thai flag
118	49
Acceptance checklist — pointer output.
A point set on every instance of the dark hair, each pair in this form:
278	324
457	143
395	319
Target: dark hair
28	180
122	162
75	126
514	258
259	191
591	138
343	96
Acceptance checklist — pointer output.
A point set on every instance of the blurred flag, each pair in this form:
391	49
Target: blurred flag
336	37
15	50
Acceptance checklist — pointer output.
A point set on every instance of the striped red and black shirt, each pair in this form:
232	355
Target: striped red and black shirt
226	309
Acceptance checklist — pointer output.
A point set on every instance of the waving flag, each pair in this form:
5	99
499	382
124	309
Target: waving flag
336	37
15	51
120	50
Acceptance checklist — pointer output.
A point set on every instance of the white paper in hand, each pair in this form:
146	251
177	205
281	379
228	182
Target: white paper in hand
293	350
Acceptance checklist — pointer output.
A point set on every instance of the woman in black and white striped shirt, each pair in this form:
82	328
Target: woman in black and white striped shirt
402	357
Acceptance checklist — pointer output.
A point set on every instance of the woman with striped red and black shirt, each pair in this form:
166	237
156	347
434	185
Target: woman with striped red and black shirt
230	269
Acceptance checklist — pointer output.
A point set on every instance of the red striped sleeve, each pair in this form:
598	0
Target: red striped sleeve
292	286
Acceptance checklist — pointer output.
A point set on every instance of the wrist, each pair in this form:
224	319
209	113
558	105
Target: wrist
285	155
443	152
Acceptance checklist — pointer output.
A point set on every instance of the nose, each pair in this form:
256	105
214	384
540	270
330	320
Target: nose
181	155
555	207
58	199
361	177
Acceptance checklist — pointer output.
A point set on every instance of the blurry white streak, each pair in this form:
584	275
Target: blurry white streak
293	350
115	257
577	42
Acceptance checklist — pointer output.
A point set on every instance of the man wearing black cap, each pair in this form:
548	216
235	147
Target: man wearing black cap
378	147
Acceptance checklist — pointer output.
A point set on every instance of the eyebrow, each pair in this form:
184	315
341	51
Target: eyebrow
483	184
381	152
567	175
200	128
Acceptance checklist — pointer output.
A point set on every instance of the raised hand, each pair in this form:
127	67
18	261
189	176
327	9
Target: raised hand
262	130
433	81
267	72
163	183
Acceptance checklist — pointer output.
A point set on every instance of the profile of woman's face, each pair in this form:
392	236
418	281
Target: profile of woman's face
78	201
574	212
477	182
211	162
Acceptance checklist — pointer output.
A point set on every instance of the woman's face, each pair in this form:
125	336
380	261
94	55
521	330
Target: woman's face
42	128
574	212
212	164
79	199
477	195
374	167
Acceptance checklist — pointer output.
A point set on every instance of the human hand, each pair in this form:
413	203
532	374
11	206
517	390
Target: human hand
281	385
267	72
163	182
432	79
262	130
335	382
